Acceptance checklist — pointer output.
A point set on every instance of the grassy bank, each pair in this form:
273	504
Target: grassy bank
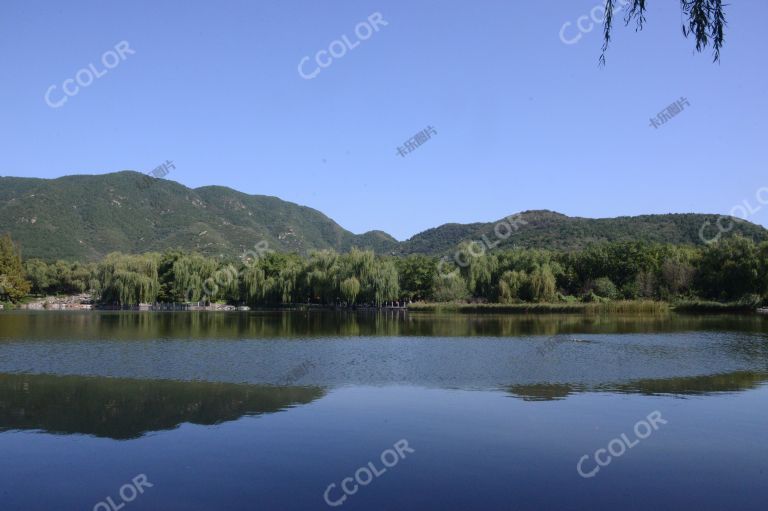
624	306
714	307
616	307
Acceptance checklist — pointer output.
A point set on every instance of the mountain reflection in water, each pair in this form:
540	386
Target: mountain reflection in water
680	387
124	408
224	410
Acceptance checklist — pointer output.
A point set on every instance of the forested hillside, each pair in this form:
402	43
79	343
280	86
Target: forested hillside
83	218
551	230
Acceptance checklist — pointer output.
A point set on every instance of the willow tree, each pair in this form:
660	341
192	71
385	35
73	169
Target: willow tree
271	279
360	264
128	279
254	284
510	286
321	275
542	284
384	282
704	19
350	288
477	267
191	278
281	276
288	279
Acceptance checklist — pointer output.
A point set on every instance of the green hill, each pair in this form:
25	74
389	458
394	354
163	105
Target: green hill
547	229
84	217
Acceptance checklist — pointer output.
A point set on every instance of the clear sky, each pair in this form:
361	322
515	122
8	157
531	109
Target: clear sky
523	120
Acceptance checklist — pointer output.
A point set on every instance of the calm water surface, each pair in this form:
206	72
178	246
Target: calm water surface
267	410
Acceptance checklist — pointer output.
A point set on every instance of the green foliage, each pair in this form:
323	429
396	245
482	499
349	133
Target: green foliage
191	277
114	214
733	269
511	285
554	231
449	287
541	284
480	271
321	276
605	288
677	276
129	279
416	276
700	306
38	274
619	307
350	288
13	283
730	269
705	19
274	279
384	283
61	277
591	297
326	277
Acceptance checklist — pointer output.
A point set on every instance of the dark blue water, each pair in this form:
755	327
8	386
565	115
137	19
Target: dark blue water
495	417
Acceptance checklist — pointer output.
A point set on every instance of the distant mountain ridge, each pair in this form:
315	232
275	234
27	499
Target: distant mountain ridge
549	229
84	217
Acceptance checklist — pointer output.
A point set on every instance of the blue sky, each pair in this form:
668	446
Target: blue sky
523	120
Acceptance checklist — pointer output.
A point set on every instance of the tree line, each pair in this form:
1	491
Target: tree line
735	269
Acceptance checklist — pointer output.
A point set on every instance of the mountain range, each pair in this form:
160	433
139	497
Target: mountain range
84	217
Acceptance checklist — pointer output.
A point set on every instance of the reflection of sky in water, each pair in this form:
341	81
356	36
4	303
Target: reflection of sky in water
498	410
473	450
580	359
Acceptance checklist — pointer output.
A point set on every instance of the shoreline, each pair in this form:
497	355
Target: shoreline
615	307
586	308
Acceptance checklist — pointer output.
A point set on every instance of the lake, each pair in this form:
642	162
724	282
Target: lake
392	410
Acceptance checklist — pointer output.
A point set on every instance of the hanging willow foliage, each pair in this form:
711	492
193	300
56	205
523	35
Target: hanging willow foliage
706	21
128	279
477	271
731	269
288	282
193	278
255	284
350	288
384	282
